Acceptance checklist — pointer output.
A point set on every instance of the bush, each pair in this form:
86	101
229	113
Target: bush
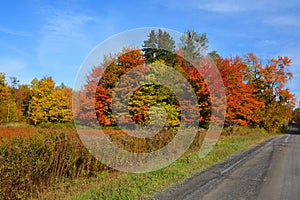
29	165
65	125
242	130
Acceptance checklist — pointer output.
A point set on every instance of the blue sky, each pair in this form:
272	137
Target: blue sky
52	38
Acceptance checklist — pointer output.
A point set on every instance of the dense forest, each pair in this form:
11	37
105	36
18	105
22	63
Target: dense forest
256	91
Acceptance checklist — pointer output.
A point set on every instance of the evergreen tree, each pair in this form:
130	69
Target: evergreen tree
159	46
193	45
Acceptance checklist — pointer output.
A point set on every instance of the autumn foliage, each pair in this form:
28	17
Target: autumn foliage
37	103
256	93
242	103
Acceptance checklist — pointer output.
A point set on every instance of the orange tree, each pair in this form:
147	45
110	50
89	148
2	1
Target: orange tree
242	104
270	81
255	93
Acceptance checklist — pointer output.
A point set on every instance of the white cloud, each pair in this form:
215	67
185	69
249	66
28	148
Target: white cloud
11	66
245	5
222	6
285	20
9	31
19	69
66	35
232	6
6	30
63	39
62	26
269	42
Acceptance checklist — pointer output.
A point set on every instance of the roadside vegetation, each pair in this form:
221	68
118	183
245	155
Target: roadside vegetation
52	164
42	157
144	186
296	117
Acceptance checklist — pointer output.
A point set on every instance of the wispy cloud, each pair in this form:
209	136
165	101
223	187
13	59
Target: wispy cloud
8	31
16	67
245	5
9	47
232	6
285	20
62	31
10	66
223	6
63	25
64	41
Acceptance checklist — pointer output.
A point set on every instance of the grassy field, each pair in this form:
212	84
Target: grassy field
9	133
140	186
53	164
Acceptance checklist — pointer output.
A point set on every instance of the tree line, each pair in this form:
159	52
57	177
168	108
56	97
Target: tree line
296	117
39	102
256	91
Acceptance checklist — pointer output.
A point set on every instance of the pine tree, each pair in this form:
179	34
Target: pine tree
159	46
193	45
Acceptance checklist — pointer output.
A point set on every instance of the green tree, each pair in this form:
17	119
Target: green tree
150	95
8	107
159	46
214	55
193	45
14	83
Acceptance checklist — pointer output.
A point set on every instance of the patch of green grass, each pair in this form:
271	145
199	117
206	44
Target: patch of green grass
141	186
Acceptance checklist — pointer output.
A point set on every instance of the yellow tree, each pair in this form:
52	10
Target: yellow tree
48	104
